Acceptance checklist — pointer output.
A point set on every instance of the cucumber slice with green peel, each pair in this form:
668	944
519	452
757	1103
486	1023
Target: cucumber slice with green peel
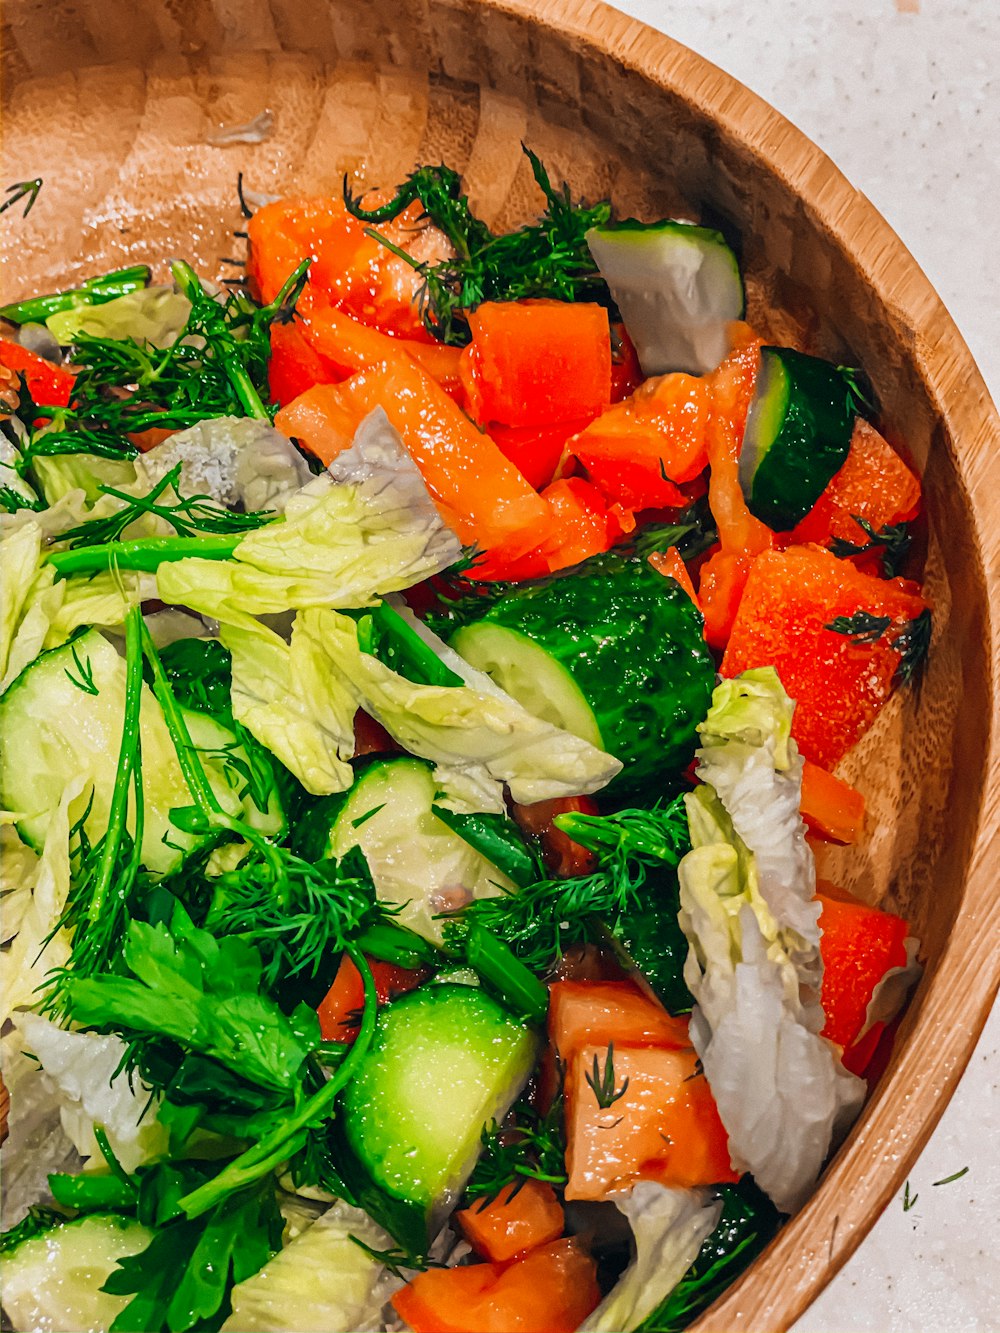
529	674
62	719
625	655
417	863
53	1281
322	1280
797	435
678	287
444	1062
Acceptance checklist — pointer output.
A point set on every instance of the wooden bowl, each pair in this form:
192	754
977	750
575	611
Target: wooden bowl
116	104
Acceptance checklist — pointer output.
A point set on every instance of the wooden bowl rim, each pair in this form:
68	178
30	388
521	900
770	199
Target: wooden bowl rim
816	1243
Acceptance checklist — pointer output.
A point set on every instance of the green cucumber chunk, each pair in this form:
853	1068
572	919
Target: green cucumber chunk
62	719
797	435
445	1061
320	1280
630	645
531	675
416	862
53	1281
678	287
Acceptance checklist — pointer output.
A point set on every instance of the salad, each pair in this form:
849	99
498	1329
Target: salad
424	659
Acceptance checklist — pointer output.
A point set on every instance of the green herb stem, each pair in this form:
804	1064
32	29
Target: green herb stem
95	291
288	1137
145	554
504	973
223	342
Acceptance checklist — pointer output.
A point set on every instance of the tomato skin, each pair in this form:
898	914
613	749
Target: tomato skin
338	1011
49	385
562	856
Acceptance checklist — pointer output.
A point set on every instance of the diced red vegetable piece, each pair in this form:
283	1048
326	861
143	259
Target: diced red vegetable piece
370	737
859	945
520	1218
581	524
347	345
671	563
295	365
537	363
480	494
551	1289
831	807
339	1011
562	856
839	682
640	448
626	373
664	1126
49	385
732	386
596	1013
721	581
874	484
534	450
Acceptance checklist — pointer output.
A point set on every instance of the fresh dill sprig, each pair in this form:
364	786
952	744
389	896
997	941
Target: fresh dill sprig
528	1146
28	190
548	258
862	626
893	541
187	515
912	642
603	1083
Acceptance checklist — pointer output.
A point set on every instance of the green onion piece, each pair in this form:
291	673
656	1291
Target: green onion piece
505	974
146	553
95	291
397	945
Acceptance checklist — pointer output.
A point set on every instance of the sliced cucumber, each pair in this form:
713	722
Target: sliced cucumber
321	1282
529	674
62	718
445	1061
415	860
677	286
797	435
51	1283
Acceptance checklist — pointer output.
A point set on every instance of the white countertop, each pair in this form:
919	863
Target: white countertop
904	95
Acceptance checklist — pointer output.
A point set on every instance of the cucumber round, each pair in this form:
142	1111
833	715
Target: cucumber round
445	1061
529	674
678	288
797	435
55	730
53	1280
623	653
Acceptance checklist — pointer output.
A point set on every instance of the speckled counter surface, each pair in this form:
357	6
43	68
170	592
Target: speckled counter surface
904	95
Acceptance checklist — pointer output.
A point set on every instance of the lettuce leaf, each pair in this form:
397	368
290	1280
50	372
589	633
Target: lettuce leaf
342	544
20	559
668	1227
155	315
474	727
285	696
781	1090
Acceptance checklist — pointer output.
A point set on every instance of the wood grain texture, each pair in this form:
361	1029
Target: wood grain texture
114	102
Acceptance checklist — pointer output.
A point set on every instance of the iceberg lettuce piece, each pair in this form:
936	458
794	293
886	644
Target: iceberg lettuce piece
20	559
82	1071
748	757
155	315
473	727
342	544
668	1226
286	697
782	1093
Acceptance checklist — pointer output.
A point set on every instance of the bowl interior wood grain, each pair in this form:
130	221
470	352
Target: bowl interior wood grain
121	106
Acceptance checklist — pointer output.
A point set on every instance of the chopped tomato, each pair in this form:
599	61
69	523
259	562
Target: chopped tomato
662	1123
640	448
596	1013
831	807
562	856
551	1289
873	484
859	945
839	682
347	345
295	365
520	1218
626	373
49	385
370	737
339	1011
581	524
671	563
534	450
537	363
480	494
